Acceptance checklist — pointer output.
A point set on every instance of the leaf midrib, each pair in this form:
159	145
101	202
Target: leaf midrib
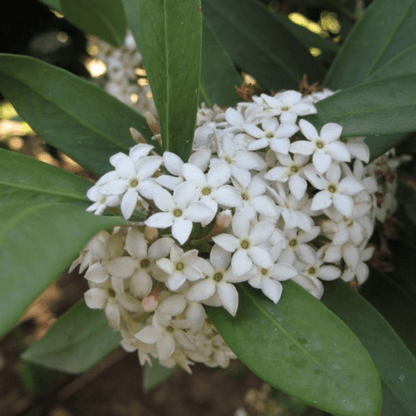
382	51
270	318
266	52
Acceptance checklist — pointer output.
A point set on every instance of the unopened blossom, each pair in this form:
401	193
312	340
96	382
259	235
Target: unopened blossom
179	211
246	244
324	147
334	190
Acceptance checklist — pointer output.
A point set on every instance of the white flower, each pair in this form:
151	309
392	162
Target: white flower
211	188
134	180
101	201
268	279
290	170
218	281
181	267
246	244
289	105
324	147
334	191
274	135
180	210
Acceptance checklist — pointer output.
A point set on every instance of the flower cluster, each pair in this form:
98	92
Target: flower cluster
263	198
122	79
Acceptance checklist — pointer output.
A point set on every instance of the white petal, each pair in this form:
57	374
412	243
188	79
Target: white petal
241	263
280	145
260	257
112	313
262	231
181	229
165	347
201	291
329	273
321	200
350	186
219	257
96	273
136	244
351	255
185	193
308	130
173	163
198	212
321	161
160	220
160	248
339	152
229	197
272	289
125	167
122	267
162	198
128	203
95	298
344	204
240	225
331	132
193	173
175	281
297	186
227	242
141	284
303	147
264	205
283	271
229	297
149	335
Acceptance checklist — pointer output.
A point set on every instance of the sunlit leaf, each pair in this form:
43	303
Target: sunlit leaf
71	114
395	363
43	227
260	45
77	341
384	31
300	347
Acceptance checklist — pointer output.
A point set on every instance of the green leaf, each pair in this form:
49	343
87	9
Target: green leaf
53	4
380	144
260	45
382	107
300	347
172	57
43	227
105	19
156	374
305	36
219	76
385	30
71	114
395	363
77	341
402	64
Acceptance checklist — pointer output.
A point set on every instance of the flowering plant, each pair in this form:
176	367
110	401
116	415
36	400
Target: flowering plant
216	231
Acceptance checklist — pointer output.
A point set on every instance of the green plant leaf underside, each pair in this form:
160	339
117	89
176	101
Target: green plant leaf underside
77	341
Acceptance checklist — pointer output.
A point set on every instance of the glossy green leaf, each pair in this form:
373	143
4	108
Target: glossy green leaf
71	114
381	107
219	76
43	227
380	144
300	347
53	4
77	341
104	19
402	64
172	56
260	45
156	374
305	36
386	29
395	363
